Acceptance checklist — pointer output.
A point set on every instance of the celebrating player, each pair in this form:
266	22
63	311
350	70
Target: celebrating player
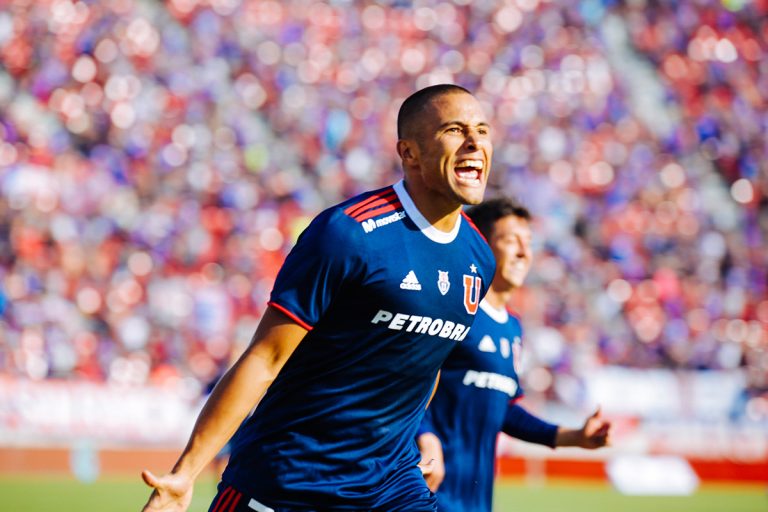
479	383
367	306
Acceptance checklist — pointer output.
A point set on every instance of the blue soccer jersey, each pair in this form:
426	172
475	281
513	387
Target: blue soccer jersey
385	297
473	403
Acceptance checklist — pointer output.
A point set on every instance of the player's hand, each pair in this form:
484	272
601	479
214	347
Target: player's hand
172	492
432	465
434	473
426	467
595	432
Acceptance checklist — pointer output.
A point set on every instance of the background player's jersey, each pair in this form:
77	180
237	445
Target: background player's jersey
477	383
386	297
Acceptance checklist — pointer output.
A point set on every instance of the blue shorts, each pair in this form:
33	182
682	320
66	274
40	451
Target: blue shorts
229	499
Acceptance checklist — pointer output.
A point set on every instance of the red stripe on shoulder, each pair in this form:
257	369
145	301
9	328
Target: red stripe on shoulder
389	207
466	217
385	195
290	315
373	204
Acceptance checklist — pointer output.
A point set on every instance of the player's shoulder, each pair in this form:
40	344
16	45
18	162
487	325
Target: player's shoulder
358	205
474	233
514	321
356	216
473	236
515	316
473	229
371	209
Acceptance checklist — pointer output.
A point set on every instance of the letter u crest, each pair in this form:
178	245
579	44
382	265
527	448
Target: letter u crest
471	293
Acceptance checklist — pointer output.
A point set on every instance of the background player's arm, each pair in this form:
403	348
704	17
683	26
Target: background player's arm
431	450
593	434
432	463
523	425
232	399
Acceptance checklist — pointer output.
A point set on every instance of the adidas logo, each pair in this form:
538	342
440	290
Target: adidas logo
486	344
410	282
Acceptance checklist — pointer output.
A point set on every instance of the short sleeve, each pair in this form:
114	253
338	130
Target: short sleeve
325	258
426	423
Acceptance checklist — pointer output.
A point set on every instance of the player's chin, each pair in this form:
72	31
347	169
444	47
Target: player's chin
517	282
472	194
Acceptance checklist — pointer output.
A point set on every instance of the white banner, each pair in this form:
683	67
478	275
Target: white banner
52	412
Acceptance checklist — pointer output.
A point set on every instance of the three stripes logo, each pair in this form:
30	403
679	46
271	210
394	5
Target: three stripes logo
410	282
366	211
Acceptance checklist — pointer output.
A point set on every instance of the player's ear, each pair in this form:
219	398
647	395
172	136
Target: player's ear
406	150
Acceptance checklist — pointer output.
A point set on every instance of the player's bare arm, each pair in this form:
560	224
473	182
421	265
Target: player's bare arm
593	434
232	399
431	450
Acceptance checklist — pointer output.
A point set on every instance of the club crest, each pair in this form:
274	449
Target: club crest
472	286
443	284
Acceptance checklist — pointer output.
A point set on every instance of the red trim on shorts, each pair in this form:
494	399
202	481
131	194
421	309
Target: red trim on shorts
290	315
217	507
225	504
235	501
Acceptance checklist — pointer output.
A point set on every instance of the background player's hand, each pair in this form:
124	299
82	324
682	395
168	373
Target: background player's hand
426	467
172	492
432	464
595	432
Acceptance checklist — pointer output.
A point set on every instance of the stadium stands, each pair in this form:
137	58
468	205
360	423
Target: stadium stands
158	159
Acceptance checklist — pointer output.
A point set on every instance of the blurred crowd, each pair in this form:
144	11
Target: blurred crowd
158	160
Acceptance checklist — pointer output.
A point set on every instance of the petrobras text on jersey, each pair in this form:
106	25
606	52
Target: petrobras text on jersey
422	325
488	380
370	224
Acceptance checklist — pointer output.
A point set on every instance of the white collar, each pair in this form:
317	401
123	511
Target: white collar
498	315
423	224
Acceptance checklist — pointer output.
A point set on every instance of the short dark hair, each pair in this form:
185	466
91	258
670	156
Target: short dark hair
414	104
485	214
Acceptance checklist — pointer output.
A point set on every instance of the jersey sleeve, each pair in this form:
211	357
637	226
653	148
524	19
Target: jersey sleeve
523	425
426	424
323	261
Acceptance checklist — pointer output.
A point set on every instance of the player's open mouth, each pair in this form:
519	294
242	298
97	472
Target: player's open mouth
469	172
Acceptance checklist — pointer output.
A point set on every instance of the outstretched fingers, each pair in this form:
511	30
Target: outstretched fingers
172	493
596	430
149	478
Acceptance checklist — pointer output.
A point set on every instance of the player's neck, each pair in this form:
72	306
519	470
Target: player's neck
441	213
444	222
498	299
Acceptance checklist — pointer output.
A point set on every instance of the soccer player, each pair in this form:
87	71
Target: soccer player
479	384
365	309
